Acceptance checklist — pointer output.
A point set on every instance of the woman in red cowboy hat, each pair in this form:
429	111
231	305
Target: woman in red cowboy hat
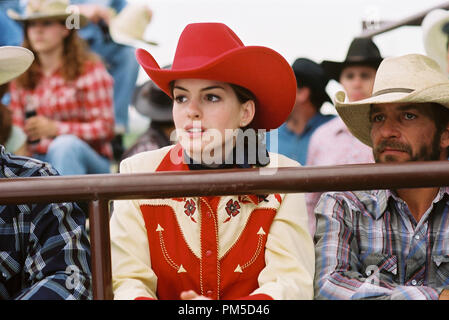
219	247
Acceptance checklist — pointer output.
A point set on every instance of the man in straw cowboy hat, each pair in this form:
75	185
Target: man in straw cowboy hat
332	143
44	247
64	101
390	244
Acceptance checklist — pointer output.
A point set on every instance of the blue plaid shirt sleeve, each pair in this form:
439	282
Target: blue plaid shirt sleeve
338	270
44	248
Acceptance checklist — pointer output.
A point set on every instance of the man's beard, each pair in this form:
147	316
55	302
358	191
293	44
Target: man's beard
424	154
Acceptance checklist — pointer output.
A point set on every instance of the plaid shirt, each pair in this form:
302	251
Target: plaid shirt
368	245
44	251
83	108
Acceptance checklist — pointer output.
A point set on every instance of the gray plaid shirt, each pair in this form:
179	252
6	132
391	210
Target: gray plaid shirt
368	245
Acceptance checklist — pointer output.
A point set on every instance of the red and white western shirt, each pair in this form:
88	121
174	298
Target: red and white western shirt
228	247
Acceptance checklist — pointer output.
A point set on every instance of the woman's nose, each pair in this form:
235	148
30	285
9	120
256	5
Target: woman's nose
194	110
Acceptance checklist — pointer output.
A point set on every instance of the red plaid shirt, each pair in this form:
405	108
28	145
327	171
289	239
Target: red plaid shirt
83	108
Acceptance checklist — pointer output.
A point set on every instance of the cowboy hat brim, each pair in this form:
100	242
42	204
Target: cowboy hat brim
119	37
356	114
259	69
146	105
435	39
13	62
333	69
83	20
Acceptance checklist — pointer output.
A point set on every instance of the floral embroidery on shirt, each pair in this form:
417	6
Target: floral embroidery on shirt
190	209
232	208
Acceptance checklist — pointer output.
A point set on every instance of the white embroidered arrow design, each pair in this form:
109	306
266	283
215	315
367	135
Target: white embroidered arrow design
179	269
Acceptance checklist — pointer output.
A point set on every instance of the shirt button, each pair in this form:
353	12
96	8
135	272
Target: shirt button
417	237
208	253
414	282
209	293
4	275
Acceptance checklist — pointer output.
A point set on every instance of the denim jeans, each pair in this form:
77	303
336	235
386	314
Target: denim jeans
72	156
11	31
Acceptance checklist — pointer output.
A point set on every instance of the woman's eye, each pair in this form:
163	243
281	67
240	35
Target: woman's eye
180	99
212	97
409	116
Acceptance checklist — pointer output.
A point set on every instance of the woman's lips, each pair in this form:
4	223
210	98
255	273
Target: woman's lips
194	131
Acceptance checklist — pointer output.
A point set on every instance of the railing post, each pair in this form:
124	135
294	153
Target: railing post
100	249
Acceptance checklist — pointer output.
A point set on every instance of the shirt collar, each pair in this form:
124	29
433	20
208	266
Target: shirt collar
193	165
384	196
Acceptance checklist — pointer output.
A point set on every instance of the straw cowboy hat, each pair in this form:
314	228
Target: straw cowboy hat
47	9
13	62
362	51
413	78
128	27
152	102
435	29
213	51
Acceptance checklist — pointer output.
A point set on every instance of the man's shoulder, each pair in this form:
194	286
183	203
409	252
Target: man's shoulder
367	201
328	128
13	166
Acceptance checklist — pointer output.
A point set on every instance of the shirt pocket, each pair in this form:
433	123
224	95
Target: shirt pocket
441	265
382	266
10	265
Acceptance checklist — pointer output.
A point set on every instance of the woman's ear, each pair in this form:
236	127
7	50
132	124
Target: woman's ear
247	113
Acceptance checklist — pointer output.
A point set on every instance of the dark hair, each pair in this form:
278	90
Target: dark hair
261	156
317	97
5	123
441	117
3	89
5	117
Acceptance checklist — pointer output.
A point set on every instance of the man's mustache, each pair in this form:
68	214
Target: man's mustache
393	145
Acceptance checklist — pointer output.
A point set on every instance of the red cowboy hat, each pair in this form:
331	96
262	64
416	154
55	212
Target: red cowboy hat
213	51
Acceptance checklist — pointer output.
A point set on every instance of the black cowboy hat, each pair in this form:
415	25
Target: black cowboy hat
310	74
152	102
362	51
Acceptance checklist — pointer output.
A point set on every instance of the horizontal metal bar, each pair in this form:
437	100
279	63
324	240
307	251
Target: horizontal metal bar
413	20
224	182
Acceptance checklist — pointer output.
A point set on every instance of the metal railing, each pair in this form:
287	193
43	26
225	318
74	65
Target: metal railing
413	20
99	189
